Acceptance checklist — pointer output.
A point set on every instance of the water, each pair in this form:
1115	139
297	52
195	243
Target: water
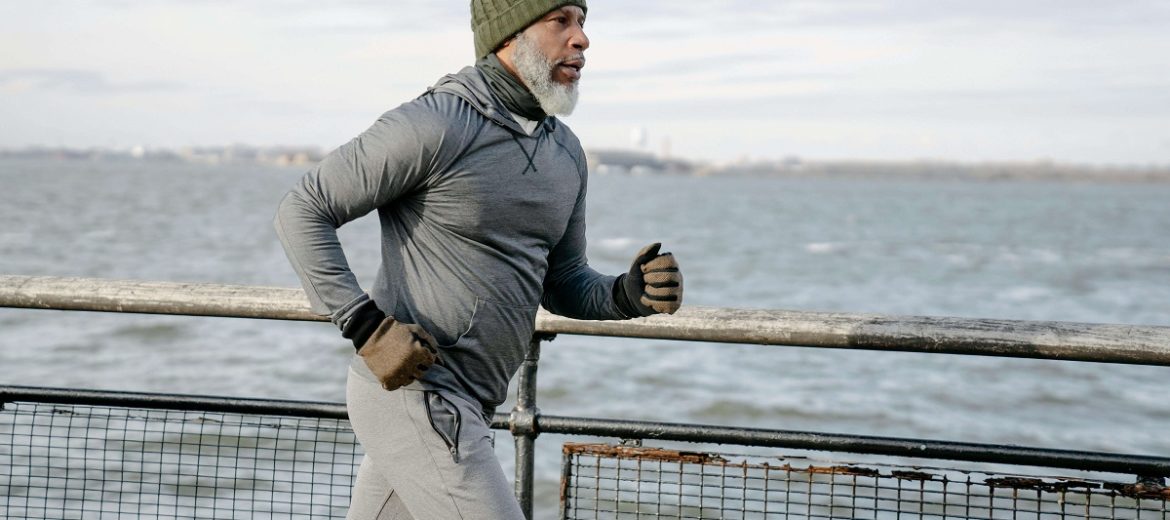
1092	252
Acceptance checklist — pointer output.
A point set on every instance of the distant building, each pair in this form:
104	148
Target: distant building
634	162
241	154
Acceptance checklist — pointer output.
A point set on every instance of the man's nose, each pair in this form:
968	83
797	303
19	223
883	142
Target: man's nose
579	40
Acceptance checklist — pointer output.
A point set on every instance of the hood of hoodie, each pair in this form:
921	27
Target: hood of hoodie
470	85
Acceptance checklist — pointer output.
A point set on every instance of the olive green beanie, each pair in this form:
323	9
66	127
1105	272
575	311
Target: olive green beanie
493	21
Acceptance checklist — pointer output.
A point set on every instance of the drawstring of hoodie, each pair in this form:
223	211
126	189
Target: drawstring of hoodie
531	157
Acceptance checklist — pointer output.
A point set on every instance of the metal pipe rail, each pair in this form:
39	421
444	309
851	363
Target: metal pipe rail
1144	465
1103	343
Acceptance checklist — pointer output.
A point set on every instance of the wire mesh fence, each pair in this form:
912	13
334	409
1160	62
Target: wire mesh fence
113	461
604	482
77	461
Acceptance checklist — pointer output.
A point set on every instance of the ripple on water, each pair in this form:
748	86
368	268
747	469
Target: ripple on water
150	332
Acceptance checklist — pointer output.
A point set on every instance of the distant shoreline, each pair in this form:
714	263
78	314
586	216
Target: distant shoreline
642	163
944	170
634	162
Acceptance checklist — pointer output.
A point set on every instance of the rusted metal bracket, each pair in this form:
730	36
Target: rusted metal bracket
522	421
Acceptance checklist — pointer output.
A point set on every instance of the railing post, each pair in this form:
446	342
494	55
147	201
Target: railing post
523	425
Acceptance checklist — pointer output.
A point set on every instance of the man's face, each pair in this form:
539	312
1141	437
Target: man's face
560	36
548	57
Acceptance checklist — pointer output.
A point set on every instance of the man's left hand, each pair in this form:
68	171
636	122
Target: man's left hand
654	284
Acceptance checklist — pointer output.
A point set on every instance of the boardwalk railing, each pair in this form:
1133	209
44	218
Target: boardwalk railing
1142	345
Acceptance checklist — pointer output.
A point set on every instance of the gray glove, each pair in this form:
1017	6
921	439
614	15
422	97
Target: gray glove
398	353
653	285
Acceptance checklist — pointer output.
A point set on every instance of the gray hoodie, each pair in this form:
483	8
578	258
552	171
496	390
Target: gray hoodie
481	223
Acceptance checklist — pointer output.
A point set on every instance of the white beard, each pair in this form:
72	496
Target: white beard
536	70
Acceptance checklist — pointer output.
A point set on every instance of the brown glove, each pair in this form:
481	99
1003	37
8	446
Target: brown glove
653	285
398	353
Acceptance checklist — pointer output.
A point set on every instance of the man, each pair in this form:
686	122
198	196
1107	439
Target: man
480	191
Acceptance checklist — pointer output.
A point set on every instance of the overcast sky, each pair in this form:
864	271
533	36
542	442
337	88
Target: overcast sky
1069	80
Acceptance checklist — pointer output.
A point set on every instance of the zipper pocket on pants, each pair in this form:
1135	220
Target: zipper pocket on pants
445	419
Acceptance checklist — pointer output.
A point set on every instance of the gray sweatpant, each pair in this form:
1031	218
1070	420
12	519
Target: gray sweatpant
429	455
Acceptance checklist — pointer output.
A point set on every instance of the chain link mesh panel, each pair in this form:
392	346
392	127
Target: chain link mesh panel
605	482
70	461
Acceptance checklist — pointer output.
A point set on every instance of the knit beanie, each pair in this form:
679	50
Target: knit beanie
493	21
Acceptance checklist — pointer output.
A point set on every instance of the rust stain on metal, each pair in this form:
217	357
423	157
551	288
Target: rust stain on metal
564	488
634	452
856	471
1040	484
691	457
1016	483
1152	490
912	475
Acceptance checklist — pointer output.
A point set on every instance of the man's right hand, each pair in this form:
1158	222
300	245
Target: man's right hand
399	353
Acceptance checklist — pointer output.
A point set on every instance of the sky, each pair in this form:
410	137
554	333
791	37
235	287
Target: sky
1066	80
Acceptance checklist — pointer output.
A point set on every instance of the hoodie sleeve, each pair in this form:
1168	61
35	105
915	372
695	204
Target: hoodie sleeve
389	160
572	288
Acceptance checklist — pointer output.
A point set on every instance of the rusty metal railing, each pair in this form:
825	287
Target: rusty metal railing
604	481
1144	345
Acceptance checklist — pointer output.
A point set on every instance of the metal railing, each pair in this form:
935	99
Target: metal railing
1142	345
97	454
604	481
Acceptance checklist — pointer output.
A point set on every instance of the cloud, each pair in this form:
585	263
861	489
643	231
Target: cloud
354	18
751	15
1008	106
714	75
78	81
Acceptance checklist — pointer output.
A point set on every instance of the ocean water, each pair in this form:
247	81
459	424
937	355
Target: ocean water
1093	252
